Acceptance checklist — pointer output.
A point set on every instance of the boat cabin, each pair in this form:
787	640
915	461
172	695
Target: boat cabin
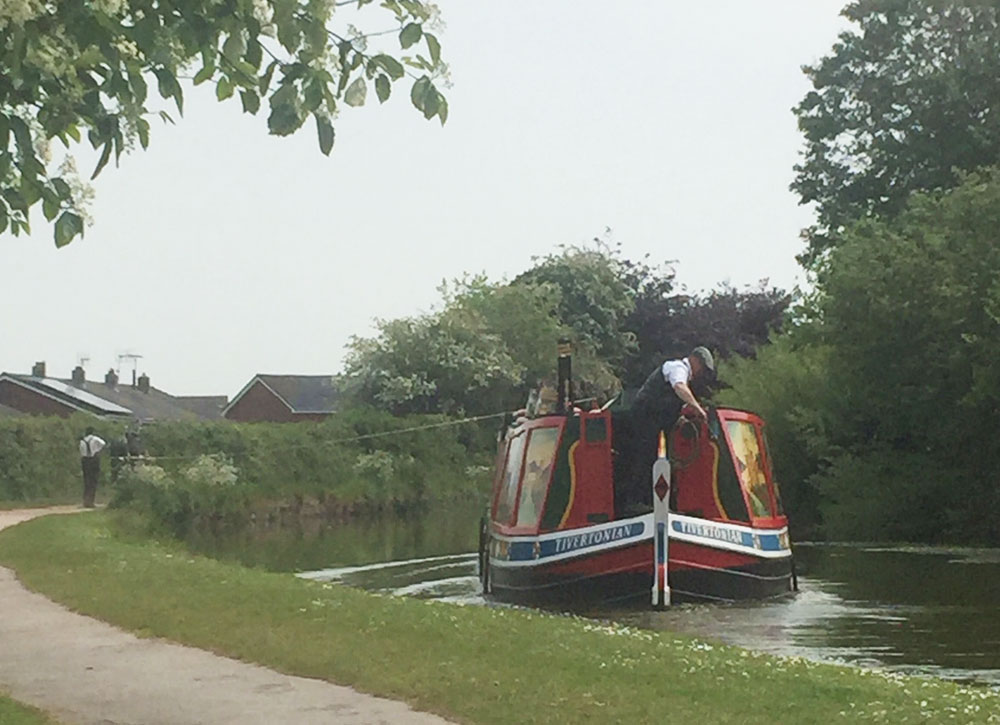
568	471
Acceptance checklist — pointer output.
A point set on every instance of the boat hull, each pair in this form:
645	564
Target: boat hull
613	563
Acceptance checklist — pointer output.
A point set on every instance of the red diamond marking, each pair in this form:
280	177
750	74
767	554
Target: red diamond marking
661	487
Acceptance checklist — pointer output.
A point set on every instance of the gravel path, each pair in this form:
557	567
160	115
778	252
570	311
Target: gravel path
81	670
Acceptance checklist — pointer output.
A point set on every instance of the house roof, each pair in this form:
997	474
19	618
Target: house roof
69	395
301	393
205	406
121	401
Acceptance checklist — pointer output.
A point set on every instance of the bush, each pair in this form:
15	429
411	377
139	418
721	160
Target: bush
222	471
207	490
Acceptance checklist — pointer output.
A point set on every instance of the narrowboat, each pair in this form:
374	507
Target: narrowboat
570	523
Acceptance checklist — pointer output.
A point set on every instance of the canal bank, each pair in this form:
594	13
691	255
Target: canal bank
474	664
81	670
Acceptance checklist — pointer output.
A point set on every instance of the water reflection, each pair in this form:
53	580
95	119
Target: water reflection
910	609
314	544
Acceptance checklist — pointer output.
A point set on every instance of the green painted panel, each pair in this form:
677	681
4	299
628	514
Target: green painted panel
558	500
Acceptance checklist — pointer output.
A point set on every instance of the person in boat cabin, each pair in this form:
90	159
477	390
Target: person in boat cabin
668	388
656	407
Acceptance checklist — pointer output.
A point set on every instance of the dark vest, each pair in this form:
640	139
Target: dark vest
656	396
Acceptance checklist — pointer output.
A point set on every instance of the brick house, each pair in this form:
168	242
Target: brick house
39	394
284	399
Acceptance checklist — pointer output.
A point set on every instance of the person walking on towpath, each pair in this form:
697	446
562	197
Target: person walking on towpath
656	407
91	446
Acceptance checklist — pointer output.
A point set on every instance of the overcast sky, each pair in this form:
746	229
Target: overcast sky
222	252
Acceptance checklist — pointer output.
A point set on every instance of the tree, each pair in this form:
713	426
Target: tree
902	104
84	67
597	295
890	392
478	354
729	321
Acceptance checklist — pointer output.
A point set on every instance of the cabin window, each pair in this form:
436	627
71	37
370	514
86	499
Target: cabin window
595	430
779	508
750	466
511	474
537	471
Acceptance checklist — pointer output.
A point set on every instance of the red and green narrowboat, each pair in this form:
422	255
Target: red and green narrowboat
558	529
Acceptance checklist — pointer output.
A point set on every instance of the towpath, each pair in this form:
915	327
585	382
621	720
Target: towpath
81	670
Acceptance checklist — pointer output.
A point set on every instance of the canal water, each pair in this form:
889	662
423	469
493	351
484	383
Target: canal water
919	610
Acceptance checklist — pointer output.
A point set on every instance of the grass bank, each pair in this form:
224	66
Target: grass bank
14	713
472	664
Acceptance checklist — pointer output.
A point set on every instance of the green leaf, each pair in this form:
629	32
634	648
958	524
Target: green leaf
254	54
410	34
67	227
356	93
23	136
50	207
382	87
324	129
138	84
103	161
419	92
207	71
251	101
62	188
390	65
432	101
285	118
235	46
169	87
443	109
142	129
31	191
434	47
224	88
265	79
3	218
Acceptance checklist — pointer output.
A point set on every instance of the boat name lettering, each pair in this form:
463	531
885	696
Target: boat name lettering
712	532
592	538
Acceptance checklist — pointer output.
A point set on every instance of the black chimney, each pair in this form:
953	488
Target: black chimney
38	369
111	378
565	379
144	383
78	377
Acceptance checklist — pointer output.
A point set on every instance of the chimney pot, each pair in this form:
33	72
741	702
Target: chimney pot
144	383
111	378
78	376
38	369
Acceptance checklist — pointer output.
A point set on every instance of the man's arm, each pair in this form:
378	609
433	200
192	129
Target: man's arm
685	394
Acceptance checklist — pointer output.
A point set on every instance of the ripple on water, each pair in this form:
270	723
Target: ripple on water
903	609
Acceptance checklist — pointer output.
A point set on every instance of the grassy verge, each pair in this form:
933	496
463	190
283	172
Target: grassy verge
14	713
473	664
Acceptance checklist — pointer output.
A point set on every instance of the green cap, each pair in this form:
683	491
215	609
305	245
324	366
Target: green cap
705	356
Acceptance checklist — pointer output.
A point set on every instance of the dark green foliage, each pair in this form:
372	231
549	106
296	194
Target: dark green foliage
903	103
785	385
39	458
884	405
71	69
728	321
491	342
